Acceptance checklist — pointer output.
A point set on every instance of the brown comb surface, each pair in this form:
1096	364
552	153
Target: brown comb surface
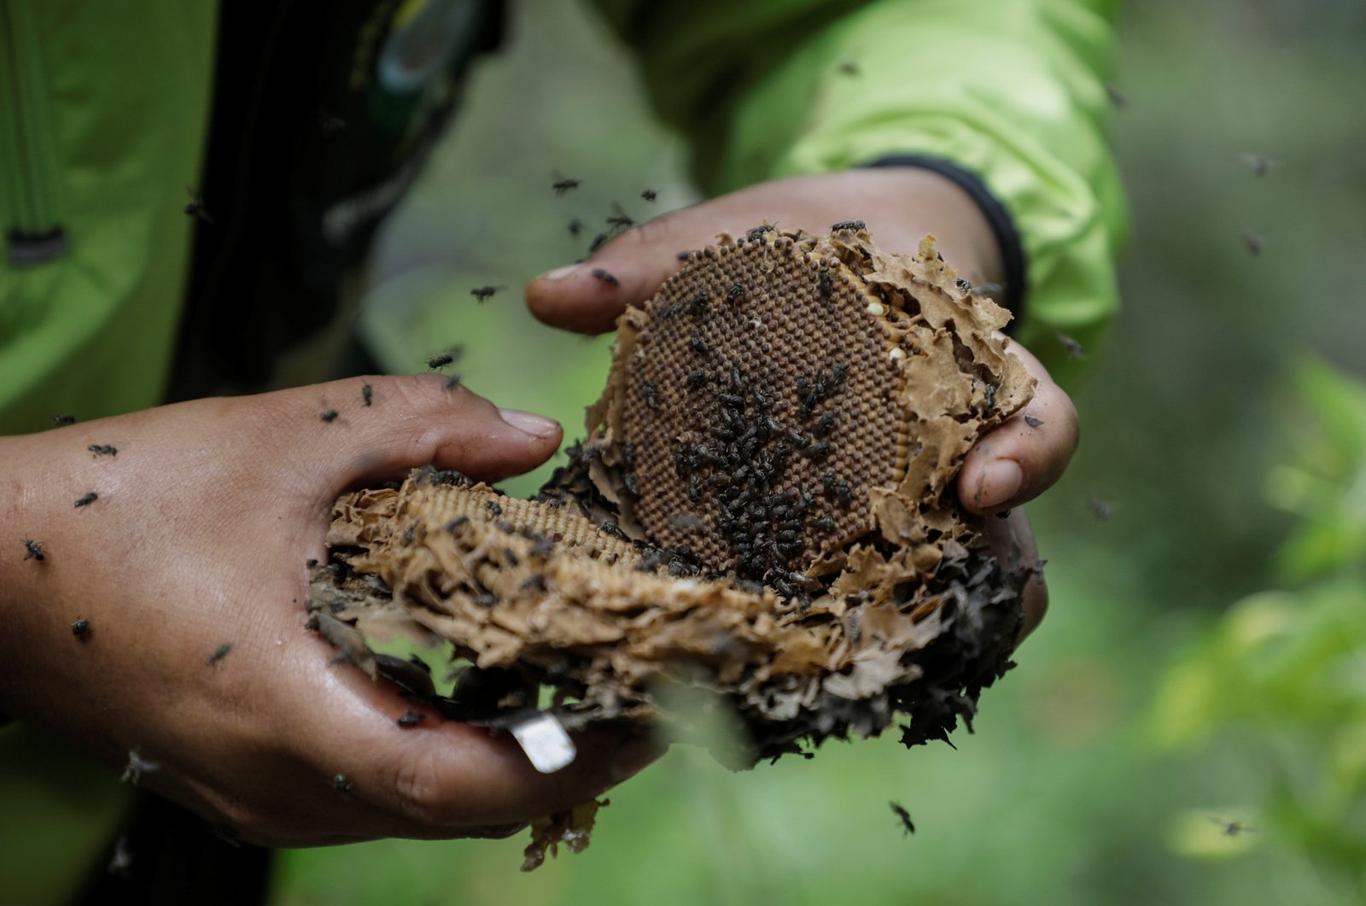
759	406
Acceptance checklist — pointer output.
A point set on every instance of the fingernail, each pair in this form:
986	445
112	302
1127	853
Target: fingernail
530	422
1001	480
560	273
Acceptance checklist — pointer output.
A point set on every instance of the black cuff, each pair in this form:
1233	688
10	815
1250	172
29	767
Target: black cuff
1002	224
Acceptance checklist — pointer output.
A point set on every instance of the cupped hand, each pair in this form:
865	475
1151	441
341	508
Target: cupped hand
188	568
1008	467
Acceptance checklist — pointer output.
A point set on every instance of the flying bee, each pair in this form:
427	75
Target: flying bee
61	421
453	382
1258	164
1232	827
121	862
575	227
103	449
328	415
33	550
1074	349
136	767
620	219
649	194
1101	509
367	394
606	277
485	293
1252	242
850	68
195	207
562	183
441	360
86	499
903	816
598	242
219	653
1116	97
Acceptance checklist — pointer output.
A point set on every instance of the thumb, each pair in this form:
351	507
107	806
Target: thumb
407	421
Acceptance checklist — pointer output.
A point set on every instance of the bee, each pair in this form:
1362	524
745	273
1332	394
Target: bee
484	293
736	292
329	123
195	207
598	242
757	233
1101	509
651	394
1074	349
61	421
696	379
1116	97
121	863
907	825
457	523
606	277
850	68
103	449
410	719
1258	164
824	425
649	194
341	784
575	227
686	522
441	360
486	599
136	767
33	550
824	524
80	628
219	653
684	255
544	547
697	305
328	415
1232	827
620	220
534	583
1252	242
825	285
493	507
848	225
453	382
311	563
563	184
86	499
1033	422
698	345
367	394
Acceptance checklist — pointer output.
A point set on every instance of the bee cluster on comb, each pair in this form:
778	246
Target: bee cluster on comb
763	507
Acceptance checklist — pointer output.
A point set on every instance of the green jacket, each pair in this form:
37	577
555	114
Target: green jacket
104	110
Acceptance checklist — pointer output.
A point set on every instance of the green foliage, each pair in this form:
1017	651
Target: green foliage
1284	672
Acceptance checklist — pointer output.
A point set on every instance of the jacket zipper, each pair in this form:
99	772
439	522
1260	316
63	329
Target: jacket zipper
29	158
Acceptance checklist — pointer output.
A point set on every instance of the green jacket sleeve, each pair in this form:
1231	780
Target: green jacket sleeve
1011	92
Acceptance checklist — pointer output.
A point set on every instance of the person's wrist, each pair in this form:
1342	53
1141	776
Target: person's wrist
978	237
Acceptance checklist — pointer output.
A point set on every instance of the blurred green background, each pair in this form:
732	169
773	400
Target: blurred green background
1204	662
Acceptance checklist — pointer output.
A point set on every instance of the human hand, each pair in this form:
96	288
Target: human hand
198	539
1007	467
